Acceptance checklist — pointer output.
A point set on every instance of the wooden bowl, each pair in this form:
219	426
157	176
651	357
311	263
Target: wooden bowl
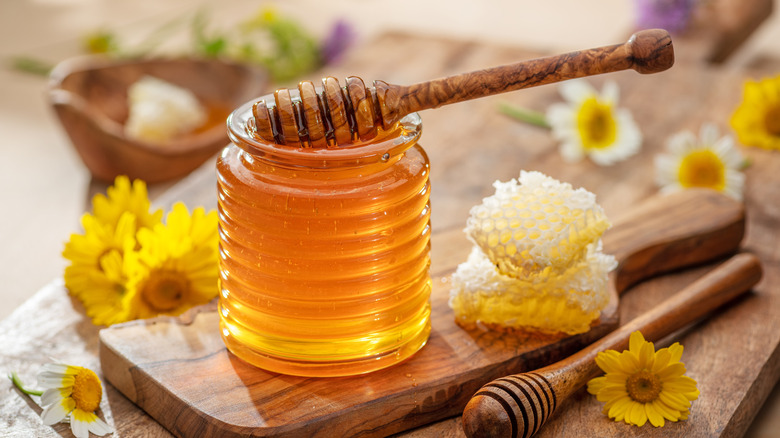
89	95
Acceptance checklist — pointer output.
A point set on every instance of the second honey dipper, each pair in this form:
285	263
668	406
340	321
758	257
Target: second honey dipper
337	115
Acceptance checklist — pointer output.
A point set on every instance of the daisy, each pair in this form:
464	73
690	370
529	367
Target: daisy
709	161
591	124
757	119
642	384
72	392
177	266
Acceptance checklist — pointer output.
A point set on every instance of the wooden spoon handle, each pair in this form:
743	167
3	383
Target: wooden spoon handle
673	231
518	405
647	51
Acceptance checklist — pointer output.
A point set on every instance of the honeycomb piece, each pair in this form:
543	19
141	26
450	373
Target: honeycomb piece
536	224
568	303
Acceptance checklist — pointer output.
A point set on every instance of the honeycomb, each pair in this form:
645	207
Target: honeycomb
536	262
536	224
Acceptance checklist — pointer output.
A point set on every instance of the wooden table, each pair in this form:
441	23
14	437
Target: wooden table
734	356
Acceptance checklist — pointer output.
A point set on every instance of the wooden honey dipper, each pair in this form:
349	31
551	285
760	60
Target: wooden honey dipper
336	116
518	405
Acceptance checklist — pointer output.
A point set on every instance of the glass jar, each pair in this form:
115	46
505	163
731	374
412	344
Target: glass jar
325	252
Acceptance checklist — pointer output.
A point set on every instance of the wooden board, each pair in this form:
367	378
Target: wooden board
162	364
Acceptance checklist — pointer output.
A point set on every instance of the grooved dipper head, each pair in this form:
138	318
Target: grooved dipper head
484	417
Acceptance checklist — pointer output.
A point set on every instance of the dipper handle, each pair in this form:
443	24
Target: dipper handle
647	51
336	115
518	405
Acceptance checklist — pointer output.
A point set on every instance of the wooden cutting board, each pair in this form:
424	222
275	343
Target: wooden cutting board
178	370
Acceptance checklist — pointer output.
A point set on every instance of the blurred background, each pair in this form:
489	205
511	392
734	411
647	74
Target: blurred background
45	186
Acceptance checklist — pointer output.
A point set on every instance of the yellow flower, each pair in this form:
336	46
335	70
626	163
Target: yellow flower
73	392
95	274
757	119
708	161
641	384
128	264
123	197
176	267
591	124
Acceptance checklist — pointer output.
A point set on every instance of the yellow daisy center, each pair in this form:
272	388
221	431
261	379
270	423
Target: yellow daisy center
772	120
165	290
702	168
87	391
643	386
596	124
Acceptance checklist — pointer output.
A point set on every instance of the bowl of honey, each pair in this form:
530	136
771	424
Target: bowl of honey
90	96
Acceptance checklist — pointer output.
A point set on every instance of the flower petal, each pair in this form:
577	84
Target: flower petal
608	361
100	427
89	422
708	133
60	368
646	356
571	151
54	395
675	369
636	415
611	393
596	384
666	411
619	408
662	358
54	413
655	417
49	379
576	90
681	384
629	362
635	342
674	400
79	427
676	351
610	93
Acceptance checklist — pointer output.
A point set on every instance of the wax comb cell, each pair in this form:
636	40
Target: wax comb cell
536	225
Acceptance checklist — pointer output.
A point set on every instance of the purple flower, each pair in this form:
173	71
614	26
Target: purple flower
672	15
336	42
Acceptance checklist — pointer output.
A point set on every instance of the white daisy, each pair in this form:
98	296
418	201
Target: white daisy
75	393
591	124
708	161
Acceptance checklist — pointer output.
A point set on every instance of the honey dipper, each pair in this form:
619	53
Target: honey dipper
518	405
338	115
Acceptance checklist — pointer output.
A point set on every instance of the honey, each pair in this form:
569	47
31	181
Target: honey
325	252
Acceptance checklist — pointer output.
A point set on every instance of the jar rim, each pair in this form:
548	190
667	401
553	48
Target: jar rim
403	135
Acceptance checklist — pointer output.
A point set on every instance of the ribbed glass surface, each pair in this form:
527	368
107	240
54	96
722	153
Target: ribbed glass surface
325	270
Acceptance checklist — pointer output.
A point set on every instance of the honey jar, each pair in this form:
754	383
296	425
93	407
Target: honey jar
324	252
